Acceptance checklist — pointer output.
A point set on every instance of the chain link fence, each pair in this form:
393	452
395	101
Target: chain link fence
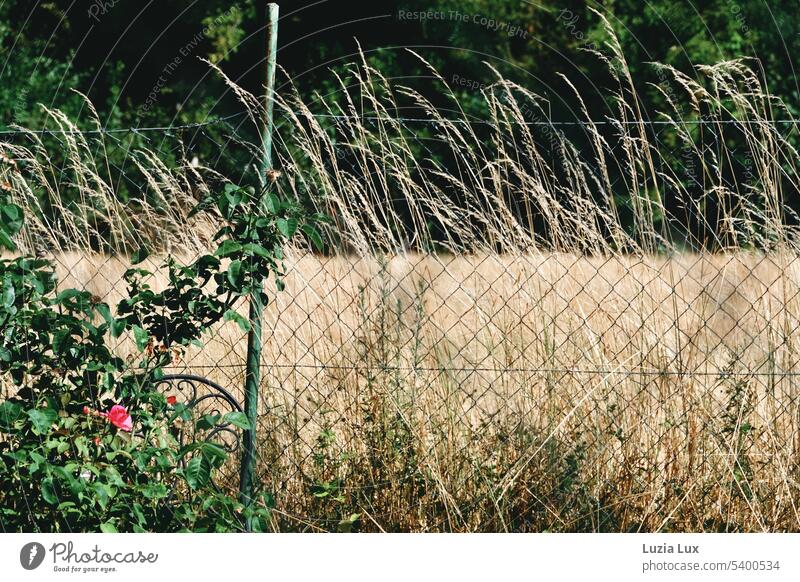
522	392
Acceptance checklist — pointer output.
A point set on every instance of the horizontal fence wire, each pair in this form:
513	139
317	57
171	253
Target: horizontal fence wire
601	371
111	131
553	123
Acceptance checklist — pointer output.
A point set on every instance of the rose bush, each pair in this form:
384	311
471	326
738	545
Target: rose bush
86	444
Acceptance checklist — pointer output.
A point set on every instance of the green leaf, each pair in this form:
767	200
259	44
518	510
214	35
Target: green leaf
213	453
139	256
113	476
9	293
208	421
37	462
235	274
82	446
155	491
42	419
287	226
232	198
274	204
5	241
11	223
10	412
67	295
313	235
197	472
238	419
38	282
61	341
141	336
108	527
118	327
138	512
232	315
101	494
186	449
346	525
228	248
105	313
181	411
49	491
257	250
12	218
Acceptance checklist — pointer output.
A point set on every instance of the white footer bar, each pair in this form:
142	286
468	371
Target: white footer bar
407	557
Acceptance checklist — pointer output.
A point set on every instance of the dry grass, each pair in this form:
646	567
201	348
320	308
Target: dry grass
524	392
557	366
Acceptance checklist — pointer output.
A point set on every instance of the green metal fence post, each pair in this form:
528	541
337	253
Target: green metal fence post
254	339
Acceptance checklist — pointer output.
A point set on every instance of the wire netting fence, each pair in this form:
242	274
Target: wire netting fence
530	390
571	383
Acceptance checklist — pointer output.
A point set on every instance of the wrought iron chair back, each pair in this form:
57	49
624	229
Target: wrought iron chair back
202	397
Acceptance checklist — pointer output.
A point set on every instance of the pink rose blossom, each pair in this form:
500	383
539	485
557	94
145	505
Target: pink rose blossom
119	417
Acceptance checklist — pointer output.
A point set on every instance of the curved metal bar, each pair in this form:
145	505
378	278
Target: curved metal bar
200	391
191	379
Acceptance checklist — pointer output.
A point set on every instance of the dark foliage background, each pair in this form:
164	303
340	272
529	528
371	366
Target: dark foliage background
115	51
140	61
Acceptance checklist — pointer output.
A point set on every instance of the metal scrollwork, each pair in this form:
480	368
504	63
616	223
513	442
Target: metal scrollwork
202	397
